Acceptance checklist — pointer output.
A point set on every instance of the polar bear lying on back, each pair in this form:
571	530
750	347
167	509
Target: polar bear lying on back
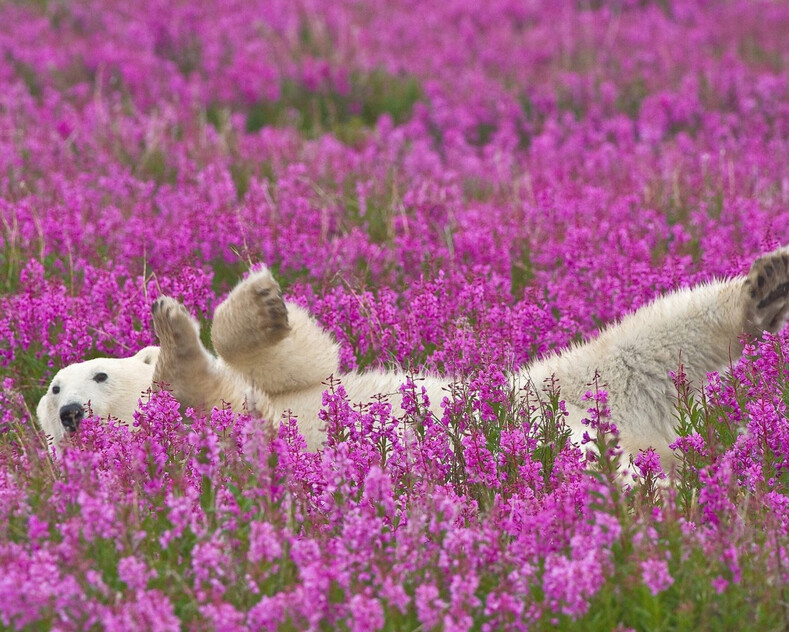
274	357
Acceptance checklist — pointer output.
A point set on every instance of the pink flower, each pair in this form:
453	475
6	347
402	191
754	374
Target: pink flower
367	615
655	575
720	584
135	573
264	543
429	606
648	464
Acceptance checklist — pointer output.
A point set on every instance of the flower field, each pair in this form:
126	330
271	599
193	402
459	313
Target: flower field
453	186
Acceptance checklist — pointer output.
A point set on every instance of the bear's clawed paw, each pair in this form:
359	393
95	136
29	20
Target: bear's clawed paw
767	292
253	317
270	306
177	331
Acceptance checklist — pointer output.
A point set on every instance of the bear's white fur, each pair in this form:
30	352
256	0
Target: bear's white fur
273	358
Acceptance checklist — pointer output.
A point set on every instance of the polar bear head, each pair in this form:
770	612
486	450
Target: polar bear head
108	387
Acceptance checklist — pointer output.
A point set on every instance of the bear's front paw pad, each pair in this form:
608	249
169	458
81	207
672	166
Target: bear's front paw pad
767	289
270	307
173	324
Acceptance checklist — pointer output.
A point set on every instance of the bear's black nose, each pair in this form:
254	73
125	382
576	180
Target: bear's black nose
71	415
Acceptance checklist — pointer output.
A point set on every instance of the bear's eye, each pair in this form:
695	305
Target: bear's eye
55	390
100	377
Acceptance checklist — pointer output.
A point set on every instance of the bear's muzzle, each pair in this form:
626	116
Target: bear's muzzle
71	415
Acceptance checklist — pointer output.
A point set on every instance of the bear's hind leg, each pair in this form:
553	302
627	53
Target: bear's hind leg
766	293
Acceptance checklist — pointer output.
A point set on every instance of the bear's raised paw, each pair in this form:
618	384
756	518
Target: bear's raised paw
766	291
177	331
253	317
266	295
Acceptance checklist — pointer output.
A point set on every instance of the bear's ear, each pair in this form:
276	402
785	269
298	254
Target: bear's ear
149	355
